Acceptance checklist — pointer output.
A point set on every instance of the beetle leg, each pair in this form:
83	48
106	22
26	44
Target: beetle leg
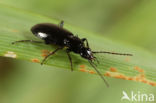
50	54
70	59
32	41
84	39
95	59
61	24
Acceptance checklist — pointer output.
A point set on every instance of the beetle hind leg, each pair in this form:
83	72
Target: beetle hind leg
32	41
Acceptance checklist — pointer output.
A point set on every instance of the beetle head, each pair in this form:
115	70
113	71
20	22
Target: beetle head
86	53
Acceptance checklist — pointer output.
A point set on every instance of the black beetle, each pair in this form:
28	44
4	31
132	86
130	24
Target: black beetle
56	34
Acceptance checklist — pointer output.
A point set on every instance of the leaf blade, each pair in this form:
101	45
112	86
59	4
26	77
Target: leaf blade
16	24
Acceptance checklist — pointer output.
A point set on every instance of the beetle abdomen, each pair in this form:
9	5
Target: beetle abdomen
51	33
50	30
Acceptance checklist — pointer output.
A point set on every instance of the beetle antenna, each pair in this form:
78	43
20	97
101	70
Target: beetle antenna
124	54
92	64
95	59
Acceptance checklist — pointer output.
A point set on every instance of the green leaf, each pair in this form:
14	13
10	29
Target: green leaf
15	25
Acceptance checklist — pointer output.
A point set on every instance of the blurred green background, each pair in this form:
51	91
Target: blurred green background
127	21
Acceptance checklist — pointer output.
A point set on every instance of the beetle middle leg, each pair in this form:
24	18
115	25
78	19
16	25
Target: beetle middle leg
70	59
61	24
50	54
32	41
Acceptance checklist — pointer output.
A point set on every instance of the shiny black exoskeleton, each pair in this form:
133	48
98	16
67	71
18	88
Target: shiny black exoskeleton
53	34
56	34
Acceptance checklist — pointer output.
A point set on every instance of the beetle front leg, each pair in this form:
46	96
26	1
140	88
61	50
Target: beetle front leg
84	39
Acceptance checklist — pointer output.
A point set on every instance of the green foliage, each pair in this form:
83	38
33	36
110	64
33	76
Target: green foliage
132	22
16	24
